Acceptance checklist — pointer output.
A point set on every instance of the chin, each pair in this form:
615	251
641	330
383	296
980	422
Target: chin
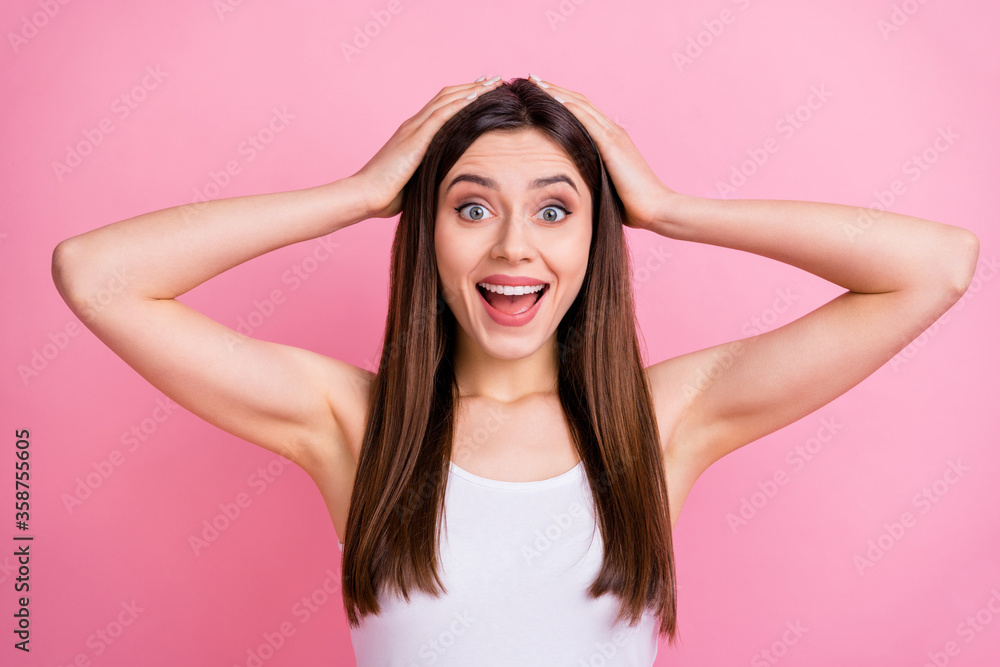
510	349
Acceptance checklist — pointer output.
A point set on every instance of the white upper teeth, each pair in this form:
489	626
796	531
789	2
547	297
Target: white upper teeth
509	290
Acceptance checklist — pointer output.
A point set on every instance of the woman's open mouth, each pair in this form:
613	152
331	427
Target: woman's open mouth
511	306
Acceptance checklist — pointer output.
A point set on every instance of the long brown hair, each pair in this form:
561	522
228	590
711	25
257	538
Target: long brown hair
398	496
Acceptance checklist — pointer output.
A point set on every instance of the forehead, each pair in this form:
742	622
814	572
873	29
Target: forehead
524	151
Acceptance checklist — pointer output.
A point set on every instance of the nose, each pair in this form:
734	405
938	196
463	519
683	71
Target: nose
514	241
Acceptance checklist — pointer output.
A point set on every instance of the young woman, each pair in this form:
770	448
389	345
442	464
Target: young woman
506	484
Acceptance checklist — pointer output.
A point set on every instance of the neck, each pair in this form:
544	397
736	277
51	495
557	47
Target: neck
480	374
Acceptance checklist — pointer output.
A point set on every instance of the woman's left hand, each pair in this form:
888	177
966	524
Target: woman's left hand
643	193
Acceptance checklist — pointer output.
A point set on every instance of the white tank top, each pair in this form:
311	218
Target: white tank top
516	559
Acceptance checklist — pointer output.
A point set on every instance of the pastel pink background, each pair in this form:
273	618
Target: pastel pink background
224	73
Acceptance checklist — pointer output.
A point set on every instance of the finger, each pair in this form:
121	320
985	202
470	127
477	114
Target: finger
426	124
557	91
598	126
588	114
416	134
456	96
479	86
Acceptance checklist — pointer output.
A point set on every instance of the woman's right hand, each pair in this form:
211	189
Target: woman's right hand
384	176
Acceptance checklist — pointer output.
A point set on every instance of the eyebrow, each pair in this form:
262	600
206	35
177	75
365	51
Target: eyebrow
533	185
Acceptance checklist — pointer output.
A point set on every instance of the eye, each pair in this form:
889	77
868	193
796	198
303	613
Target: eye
476	212
549	215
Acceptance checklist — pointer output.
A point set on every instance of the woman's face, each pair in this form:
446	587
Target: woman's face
512	209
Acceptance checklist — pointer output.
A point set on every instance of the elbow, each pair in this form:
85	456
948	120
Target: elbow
60	268
965	254
67	273
88	281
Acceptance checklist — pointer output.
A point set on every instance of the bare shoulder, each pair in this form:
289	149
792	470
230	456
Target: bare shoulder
673	385
332	459
347	389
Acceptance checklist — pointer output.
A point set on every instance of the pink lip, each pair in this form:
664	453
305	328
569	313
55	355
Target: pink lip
513	281
504	319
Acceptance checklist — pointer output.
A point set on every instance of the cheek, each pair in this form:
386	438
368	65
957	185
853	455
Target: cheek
570	253
451	269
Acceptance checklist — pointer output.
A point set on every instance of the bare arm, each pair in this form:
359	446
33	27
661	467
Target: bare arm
901	273
169	252
275	396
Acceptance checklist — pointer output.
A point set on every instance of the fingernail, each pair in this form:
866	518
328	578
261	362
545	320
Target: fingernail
538	81
492	81
480	79
559	99
471	96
